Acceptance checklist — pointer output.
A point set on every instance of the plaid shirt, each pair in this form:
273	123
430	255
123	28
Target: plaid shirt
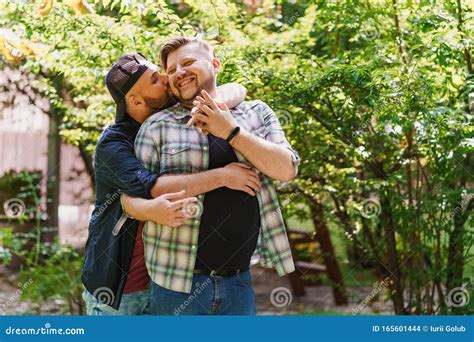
165	146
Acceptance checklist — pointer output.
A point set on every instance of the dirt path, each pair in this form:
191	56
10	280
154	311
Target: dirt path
318	299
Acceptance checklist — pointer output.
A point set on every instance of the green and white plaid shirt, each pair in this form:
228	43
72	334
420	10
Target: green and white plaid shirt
166	146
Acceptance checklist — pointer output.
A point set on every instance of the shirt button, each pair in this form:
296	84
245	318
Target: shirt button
193	247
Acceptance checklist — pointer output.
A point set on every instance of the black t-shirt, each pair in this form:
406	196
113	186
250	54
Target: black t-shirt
230	222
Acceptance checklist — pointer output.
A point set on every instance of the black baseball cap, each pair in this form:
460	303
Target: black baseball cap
122	76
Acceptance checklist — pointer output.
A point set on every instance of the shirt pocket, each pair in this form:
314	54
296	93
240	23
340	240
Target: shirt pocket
175	158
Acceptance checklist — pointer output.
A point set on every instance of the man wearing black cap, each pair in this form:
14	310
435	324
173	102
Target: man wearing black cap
114	272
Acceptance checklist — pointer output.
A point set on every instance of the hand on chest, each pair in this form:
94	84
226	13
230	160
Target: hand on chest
186	150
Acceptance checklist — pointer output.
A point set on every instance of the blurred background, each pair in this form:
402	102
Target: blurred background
377	97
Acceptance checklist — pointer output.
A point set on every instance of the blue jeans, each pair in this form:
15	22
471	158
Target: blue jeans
210	295
136	303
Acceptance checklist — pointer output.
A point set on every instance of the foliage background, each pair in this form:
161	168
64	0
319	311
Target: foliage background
376	95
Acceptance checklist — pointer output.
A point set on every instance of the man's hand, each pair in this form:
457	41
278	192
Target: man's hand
239	176
194	121
212	117
168	209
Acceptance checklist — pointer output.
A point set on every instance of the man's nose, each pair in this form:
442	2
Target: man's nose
179	69
163	79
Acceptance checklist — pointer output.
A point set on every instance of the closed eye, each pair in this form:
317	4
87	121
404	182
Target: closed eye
154	77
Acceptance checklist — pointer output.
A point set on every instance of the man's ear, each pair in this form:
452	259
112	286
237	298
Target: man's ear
217	64
134	100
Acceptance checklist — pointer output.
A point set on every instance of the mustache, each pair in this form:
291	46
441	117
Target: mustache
175	83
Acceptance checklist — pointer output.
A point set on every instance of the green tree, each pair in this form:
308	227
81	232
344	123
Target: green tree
377	96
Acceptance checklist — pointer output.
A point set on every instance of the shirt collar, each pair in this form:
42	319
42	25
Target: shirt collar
181	111
128	125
